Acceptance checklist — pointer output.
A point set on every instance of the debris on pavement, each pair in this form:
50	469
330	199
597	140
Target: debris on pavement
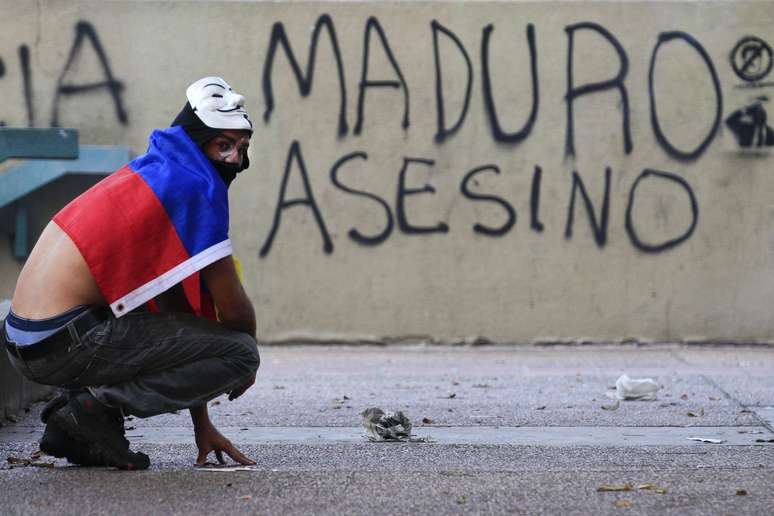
16	461
707	440
764	440
699	413
627	388
652	487
623	504
741	492
635	388
614	487
246	497
385	426
427	421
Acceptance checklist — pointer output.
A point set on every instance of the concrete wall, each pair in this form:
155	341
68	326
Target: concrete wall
590	185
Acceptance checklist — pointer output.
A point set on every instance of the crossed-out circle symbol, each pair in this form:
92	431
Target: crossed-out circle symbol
751	59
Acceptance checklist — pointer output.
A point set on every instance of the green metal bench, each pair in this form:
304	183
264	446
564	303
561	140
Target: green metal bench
53	153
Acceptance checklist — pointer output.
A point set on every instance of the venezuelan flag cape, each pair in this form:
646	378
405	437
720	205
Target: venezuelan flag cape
152	224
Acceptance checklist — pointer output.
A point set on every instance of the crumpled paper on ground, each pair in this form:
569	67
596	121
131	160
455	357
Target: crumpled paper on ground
386	426
635	388
627	388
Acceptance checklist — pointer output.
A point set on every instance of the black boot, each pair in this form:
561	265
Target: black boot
93	435
55	441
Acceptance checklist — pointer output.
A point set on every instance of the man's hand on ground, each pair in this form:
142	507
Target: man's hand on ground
208	439
234	394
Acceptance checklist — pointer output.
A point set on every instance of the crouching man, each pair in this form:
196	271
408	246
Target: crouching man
112	303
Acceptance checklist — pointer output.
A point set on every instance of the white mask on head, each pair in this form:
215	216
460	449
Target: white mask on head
218	105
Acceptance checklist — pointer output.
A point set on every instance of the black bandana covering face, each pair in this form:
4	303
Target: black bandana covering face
212	107
228	171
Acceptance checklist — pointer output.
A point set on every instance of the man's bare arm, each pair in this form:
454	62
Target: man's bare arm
235	310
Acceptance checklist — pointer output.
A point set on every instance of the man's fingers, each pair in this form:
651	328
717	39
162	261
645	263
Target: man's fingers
202	458
238	457
219	455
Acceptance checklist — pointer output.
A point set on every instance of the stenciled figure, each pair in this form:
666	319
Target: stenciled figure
749	125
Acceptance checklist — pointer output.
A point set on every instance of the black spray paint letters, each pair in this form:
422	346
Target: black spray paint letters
403	192
24	61
690	155
374	36
499	134
305	81
598	226
534	201
443	131
511	213
598	214
294	154
354	234
85	31
85	36
668	244
365	82
617	82
2	73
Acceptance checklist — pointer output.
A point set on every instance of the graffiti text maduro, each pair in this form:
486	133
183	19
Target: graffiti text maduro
375	36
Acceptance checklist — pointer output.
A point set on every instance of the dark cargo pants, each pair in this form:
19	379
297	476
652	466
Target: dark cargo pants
148	363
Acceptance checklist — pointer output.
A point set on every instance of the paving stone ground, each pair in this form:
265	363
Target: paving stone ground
517	430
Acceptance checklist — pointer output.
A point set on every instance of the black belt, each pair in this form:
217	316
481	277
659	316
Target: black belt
70	333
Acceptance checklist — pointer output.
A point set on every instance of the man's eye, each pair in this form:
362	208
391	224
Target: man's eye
223	147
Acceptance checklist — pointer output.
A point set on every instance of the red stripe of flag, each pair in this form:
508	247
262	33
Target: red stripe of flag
123	233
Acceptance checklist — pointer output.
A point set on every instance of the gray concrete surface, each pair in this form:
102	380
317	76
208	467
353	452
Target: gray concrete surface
524	433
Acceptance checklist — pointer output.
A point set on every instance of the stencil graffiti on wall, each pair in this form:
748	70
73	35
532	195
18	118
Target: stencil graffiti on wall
750	127
751	59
